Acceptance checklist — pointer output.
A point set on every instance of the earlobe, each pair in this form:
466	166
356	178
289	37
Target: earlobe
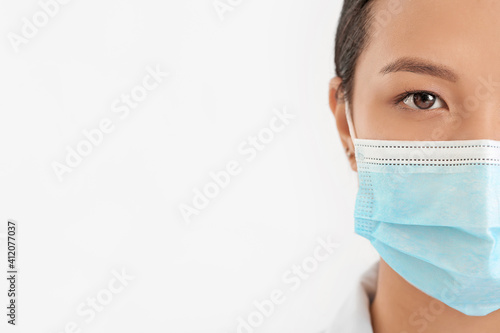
337	107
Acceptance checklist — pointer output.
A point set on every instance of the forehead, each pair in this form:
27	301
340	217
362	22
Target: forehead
461	34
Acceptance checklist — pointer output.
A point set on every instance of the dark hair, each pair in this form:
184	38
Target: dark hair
350	41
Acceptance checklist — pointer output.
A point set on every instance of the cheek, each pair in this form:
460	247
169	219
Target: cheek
376	120
372	117
372	122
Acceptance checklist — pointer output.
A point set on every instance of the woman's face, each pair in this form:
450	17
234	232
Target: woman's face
431	71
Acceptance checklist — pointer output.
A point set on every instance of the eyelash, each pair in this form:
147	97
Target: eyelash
403	96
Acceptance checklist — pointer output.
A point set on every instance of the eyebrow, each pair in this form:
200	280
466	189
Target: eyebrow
419	66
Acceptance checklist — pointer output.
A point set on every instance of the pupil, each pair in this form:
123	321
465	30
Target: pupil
423	100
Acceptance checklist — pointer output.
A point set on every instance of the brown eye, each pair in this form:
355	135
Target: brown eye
423	101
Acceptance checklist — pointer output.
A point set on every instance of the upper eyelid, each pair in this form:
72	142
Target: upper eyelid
410	92
414	92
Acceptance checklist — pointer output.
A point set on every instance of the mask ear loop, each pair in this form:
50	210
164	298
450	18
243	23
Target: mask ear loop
349	121
352	132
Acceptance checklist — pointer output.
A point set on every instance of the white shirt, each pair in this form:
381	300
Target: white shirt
354	315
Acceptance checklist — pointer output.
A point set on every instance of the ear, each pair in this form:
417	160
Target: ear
338	109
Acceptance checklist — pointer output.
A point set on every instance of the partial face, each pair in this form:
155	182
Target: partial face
430	72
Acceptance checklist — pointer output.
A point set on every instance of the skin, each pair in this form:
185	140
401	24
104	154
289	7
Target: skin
462	36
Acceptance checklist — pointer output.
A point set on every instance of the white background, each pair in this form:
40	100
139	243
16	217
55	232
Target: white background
119	209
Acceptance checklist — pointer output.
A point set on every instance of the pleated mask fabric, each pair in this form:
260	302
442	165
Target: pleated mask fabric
432	211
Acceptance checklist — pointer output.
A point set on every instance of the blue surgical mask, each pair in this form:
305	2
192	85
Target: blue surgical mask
431	210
